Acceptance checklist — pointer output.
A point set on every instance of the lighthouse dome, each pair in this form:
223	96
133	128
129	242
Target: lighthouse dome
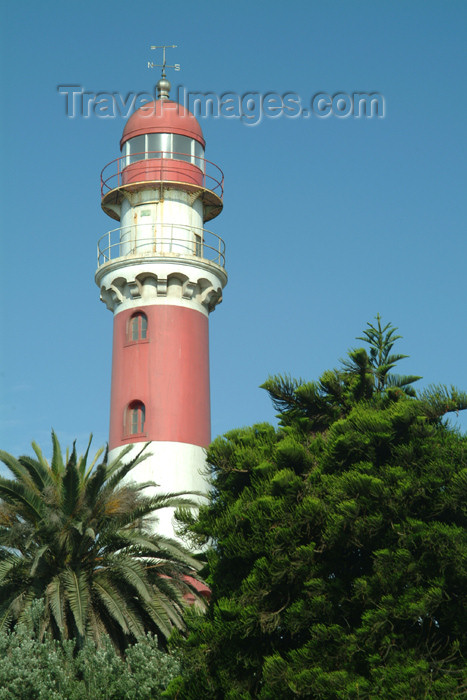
162	141
162	117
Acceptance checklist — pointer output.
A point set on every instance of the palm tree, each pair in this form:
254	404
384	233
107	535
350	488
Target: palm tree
79	536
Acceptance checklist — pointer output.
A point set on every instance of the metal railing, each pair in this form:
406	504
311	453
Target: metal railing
210	175
155	240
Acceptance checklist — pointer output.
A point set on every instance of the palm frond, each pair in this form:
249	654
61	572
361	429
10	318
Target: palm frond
120	606
116	463
133	572
11	562
115	604
11	607
41	459
82	462
37	558
163	614
78	597
149	505
17	468
94	484
23	604
22	497
57	464
70	487
6	615
55	599
39	473
117	471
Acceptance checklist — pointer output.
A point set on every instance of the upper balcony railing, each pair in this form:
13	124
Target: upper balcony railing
171	240
161	166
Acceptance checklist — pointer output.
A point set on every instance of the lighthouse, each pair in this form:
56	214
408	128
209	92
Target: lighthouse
161	272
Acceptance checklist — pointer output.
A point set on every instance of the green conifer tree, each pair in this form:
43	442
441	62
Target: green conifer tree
338	564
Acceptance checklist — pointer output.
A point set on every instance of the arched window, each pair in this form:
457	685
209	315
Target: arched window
135	418
138	327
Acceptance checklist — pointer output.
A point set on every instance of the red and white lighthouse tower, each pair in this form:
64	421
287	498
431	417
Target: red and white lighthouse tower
161	273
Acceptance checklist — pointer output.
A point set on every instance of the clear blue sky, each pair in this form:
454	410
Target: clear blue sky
327	221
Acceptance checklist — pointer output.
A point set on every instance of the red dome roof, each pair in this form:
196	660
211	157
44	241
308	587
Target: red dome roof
162	117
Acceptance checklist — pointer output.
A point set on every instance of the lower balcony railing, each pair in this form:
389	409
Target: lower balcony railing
147	240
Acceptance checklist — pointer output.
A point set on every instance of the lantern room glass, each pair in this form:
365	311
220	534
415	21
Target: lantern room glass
171	146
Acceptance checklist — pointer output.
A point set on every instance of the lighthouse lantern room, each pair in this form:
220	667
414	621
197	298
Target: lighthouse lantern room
161	273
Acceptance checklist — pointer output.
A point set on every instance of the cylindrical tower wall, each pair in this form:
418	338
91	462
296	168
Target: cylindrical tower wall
160	366
173	224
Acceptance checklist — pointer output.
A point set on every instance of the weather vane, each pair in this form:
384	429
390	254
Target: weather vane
163	65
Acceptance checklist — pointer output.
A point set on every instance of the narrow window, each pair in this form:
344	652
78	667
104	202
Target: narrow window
198	246
126	153
137	148
155	145
135	417
182	147
138	327
144	326
199	156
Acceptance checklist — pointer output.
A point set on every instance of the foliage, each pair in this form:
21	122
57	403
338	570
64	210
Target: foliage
52	670
339	559
381	341
79	536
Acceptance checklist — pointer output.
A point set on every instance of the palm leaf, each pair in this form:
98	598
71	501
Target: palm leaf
26	600
57	464
148	506
70	487
118	471
88	471
113	601
96	628
55	598
160	616
12	608
117	462
120	606
39	474
19	495
8	564
17	468
42	460
83	460
132	571
94	484
37	558
76	588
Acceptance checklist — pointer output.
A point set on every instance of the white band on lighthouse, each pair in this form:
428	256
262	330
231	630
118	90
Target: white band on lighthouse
175	467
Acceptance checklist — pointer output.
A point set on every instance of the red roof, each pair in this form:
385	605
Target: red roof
198	586
162	117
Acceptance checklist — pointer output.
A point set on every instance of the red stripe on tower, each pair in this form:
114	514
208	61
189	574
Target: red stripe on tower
167	371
